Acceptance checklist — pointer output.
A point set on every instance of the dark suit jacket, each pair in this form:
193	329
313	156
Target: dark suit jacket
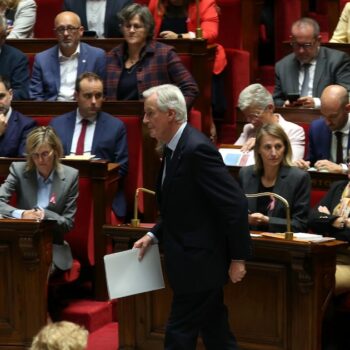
332	67
15	67
320	141
203	216
294	185
111	23
12	142
46	80
62	209
322	223
109	142
158	65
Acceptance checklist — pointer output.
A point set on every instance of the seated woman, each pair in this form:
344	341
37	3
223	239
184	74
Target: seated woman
273	172
178	19
331	216
342	31
257	105
45	189
142	62
21	16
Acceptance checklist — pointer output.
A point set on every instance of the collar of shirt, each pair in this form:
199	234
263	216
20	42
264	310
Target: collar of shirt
61	57
175	140
345	129
8	114
80	118
42	180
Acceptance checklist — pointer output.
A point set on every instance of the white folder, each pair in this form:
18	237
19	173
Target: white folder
126	275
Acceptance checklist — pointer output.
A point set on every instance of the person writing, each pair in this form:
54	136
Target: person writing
45	189
273	172
205	237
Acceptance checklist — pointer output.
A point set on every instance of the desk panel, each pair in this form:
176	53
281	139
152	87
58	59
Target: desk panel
279	305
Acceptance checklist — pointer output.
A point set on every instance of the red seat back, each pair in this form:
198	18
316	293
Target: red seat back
46	13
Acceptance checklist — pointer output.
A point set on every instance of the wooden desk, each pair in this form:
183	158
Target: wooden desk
279	305
104	181
25	258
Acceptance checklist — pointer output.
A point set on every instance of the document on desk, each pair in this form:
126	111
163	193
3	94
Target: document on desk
126	275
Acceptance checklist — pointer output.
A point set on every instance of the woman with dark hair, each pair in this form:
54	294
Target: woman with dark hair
142	62
273	172
45	189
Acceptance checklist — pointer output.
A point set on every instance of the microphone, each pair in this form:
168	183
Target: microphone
288	234
199	32
135	222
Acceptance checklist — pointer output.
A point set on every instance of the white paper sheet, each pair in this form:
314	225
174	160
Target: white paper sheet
126	275
234	157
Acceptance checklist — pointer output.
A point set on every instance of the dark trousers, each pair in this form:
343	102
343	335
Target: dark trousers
199	314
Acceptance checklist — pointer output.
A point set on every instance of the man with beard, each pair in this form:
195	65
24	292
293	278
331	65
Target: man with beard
14	126
55	70
88	130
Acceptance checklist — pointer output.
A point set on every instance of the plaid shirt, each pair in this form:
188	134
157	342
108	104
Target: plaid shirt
159	64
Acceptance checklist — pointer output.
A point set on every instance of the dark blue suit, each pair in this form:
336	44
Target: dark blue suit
109	143
111	22
12	142
46	80
203	225
15	67
320	140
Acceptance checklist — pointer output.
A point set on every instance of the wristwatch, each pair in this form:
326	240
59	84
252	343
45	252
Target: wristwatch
179	36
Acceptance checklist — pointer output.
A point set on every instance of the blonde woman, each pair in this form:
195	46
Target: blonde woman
21	16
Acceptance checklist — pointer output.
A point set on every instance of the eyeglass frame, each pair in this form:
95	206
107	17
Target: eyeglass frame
252	116
305	46
70	30
43	155
136	27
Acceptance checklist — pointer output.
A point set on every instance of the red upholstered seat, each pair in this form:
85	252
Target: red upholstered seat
46	13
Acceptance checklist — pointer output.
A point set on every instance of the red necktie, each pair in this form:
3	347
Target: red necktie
81	139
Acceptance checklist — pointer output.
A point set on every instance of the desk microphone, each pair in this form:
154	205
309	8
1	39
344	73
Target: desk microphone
288	234
135	222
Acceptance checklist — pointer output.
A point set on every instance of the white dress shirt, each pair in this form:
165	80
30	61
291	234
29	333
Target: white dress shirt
95	14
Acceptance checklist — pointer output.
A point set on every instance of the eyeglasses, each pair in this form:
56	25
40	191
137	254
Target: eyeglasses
135	26
252	116
69	29
44	155
305	46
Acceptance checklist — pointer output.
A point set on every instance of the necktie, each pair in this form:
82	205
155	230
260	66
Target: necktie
305	86
339	136
167	155
81	139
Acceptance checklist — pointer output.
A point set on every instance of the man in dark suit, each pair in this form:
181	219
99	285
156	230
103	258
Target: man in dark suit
323	134
310	68
98	16
105	135
14	126
55	70
203	224
13	65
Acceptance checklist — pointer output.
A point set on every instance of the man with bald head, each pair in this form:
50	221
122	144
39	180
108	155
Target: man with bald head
55	70
329	140
309	68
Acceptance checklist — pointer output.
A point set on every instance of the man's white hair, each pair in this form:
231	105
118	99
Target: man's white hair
169	97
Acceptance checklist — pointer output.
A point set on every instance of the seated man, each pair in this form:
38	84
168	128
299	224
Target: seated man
87	130
13	65
14	126
55	70
257	105
99	16
309	69
329	136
